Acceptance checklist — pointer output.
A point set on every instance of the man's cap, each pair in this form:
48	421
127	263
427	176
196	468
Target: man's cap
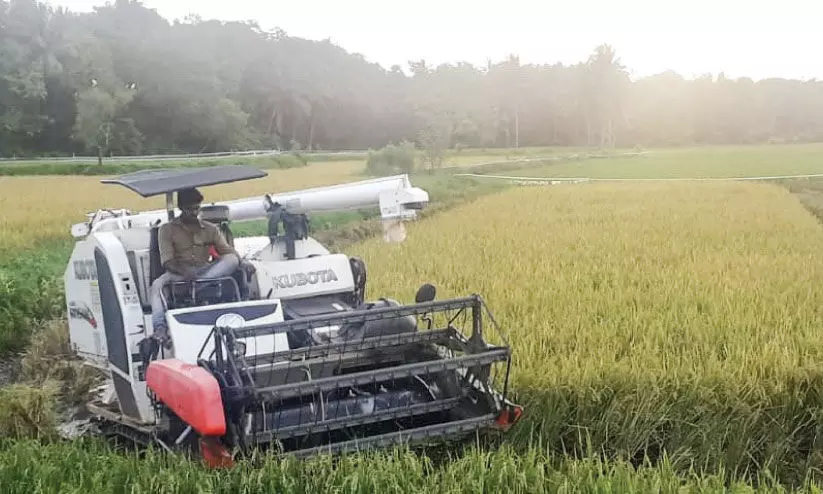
188	197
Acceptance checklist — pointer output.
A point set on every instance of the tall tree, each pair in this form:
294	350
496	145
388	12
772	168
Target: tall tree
606	84
123	80
25	64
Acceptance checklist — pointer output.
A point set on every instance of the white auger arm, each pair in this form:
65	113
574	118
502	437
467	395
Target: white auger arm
397	198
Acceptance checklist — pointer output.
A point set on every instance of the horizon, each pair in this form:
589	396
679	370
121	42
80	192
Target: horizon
711	39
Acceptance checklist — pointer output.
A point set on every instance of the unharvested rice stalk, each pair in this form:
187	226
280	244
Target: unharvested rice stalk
50	358
674	321
44	208
644	317
28	411
51	378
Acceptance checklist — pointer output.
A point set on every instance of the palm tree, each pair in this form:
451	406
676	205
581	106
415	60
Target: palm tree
606	81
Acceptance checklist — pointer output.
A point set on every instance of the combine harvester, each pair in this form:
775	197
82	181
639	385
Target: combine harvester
289	354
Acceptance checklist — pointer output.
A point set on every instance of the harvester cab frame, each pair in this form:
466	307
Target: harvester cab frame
289	354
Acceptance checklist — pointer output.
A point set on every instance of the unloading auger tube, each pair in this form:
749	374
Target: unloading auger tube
289	354
394	195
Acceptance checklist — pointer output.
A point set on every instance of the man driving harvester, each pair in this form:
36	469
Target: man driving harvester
186	244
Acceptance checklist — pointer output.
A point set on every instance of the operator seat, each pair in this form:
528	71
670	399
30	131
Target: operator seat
218	215
212	291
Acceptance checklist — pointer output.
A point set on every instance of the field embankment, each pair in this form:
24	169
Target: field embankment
283	160
697	162
50	168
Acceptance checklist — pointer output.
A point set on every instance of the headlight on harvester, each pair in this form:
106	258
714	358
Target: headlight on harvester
231	321
235	322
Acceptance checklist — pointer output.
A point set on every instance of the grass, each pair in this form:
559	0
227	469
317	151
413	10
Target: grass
28	466
644	317
45	166
286	160
49	358
28	412
473	157
704	162
31	291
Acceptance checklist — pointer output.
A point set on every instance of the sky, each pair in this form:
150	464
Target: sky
742	38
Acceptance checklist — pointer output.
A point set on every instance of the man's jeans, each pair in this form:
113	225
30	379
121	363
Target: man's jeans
225	266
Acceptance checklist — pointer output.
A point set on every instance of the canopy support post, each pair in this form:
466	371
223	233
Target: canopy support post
170	205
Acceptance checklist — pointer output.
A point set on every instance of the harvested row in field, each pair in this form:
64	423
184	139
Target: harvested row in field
643	317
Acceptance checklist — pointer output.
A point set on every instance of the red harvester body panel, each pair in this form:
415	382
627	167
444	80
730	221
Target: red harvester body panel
191	392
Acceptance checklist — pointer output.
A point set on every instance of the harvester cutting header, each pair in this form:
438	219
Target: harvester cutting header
278	346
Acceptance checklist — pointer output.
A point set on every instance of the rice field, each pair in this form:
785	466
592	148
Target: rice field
37	209
671	323
644	318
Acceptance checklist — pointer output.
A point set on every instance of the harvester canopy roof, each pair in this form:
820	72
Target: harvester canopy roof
149	183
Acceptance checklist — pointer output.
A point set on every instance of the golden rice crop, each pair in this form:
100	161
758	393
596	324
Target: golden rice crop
643	317
35	209
651	317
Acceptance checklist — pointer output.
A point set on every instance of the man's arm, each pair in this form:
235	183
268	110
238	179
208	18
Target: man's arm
164	240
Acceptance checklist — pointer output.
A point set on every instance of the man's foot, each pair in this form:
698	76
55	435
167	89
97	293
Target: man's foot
161	334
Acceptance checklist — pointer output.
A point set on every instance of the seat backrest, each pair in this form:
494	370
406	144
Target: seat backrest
227	233
155	267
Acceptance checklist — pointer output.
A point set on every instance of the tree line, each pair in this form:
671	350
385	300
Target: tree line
122	80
